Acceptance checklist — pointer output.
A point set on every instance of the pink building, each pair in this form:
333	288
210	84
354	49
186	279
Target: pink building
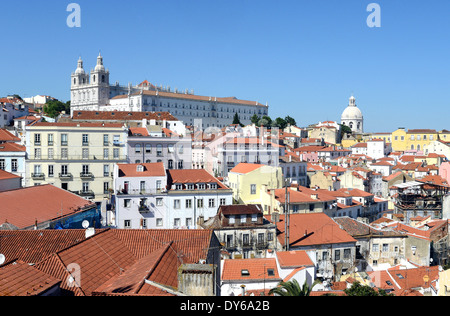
444	171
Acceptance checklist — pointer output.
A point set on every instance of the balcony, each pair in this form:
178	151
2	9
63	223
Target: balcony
86	176
143	209
65	176
87	194
38	176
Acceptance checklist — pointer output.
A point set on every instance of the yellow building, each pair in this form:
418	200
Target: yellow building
78	157
248	181
413	140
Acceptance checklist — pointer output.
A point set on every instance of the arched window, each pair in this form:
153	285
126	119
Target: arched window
412	147
103	78
418	147
94	78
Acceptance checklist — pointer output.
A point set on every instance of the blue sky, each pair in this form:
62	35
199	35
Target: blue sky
304	57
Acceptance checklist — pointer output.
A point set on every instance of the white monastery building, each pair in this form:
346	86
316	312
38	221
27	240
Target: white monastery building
93	92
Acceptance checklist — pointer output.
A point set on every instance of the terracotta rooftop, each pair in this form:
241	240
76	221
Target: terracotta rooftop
148	170
192	176
312	229
250	269
7	136
12	147
115	262
240	209
23	207
245	168
294	259
21	279
7	175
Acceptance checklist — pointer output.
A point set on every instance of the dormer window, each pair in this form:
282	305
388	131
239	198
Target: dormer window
213	186
178	186
201	186
190	187
140	168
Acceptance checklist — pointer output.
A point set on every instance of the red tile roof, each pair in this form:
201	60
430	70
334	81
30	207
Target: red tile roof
148	170
7	136
21	279
257	269
312	229
116	257
7	175
294	259
193	176
12	147
23	207
245	168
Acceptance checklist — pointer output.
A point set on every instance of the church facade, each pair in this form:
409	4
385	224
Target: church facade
93	92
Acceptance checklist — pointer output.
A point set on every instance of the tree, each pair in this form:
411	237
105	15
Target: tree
237	120
290	121
265	121
54	107
255	119
280	123
357	289
293	288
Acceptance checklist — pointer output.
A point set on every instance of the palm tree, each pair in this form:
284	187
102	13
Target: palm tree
293	288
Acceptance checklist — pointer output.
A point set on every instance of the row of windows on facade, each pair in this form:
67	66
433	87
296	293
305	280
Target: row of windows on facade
64	154
127	223
415	137
65	171
65	139
14	165
188	203
143	187
138	148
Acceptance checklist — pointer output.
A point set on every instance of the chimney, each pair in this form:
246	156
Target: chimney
201	220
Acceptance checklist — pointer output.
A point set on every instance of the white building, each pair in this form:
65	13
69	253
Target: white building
140	196
93	92
352	117
377	148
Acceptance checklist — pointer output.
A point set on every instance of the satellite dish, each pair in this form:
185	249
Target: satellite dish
85	224
2	259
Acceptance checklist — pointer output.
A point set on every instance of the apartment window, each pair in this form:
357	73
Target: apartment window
64	170
190	187
37	153
85	153
116	140
85	169
127	203
201	186
85	140
142	186
200	203
176	222
50	139
51	171
176	204
231	219
170	149
337	255
64	140
137	148
188	203
144	223
188	222
105	140
116	153
180	164
64	153
106	153
148	148
254	218
2	164
159	150
159	202
85	186
106	170
375	247
14	165
385	247
223	201
127	223
170	164
37	139
105	187
50	153
159	222
253	189
211	203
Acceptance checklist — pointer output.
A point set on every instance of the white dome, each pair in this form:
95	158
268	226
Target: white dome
352	113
